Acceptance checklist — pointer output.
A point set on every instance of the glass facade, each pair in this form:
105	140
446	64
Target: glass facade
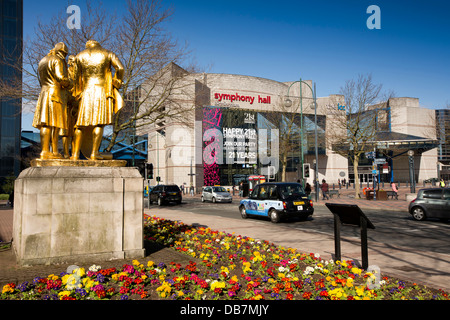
443	135
11	34
237	156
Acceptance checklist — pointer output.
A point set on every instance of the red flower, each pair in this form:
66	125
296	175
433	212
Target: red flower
307	295
101	293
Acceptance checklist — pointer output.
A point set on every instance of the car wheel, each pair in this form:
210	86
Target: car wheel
160	202
214	200
274	216
243	212
203	199
418	213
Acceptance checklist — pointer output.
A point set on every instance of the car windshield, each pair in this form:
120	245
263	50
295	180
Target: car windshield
219	189
172	188
291	191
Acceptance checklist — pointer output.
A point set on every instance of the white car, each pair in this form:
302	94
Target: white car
216	194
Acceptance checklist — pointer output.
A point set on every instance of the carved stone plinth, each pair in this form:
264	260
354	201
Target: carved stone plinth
77	214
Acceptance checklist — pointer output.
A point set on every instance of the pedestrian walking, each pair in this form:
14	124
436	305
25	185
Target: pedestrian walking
324	188
308	189
442	183
394	188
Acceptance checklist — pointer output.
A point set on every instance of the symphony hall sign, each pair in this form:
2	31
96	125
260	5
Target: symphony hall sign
236	97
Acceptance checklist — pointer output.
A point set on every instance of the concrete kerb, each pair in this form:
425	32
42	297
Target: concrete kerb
427	268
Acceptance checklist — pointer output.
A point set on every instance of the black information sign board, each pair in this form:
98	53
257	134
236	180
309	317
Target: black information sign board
350	214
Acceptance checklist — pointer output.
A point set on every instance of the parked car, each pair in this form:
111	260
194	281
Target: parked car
165	193
431	203
277	200
216	194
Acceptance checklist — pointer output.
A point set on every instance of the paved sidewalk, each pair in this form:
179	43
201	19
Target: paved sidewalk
422	267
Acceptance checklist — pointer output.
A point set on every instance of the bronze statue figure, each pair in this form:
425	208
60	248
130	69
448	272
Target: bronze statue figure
50	115
100	98
71	111
77	100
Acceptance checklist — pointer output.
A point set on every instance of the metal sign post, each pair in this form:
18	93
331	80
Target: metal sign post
350	214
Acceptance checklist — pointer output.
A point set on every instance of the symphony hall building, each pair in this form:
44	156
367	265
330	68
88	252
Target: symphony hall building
229	127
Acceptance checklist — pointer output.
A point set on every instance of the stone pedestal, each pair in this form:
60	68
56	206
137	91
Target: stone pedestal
78	214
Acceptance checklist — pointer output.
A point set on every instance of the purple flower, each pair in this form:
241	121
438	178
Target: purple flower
36	280
23	286
81	292
98	287
100	278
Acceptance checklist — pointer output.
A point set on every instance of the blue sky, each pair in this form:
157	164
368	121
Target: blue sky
324	41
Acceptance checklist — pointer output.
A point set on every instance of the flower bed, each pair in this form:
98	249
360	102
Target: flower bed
223	266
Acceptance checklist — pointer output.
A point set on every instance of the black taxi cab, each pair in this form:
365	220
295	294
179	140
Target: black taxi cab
277	200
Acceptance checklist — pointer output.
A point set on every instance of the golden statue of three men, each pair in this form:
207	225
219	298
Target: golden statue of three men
77	100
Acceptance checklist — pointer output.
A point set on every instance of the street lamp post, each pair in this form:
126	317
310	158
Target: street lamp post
316	169
288	104
411	171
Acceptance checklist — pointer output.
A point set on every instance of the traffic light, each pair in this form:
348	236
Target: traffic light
149	170
306	170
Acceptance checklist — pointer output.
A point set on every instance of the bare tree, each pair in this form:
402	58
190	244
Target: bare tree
357	125
287	122
140	40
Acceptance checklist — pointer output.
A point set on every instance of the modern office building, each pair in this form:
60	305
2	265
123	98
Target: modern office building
443	134
236	126
11	34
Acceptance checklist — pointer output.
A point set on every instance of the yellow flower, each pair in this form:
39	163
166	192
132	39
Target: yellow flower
7	289
135	262
150	264
52	277
360	291
165	287
80	272
65	278
199	291
217	284
257	257
356	271
63	294
349	282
